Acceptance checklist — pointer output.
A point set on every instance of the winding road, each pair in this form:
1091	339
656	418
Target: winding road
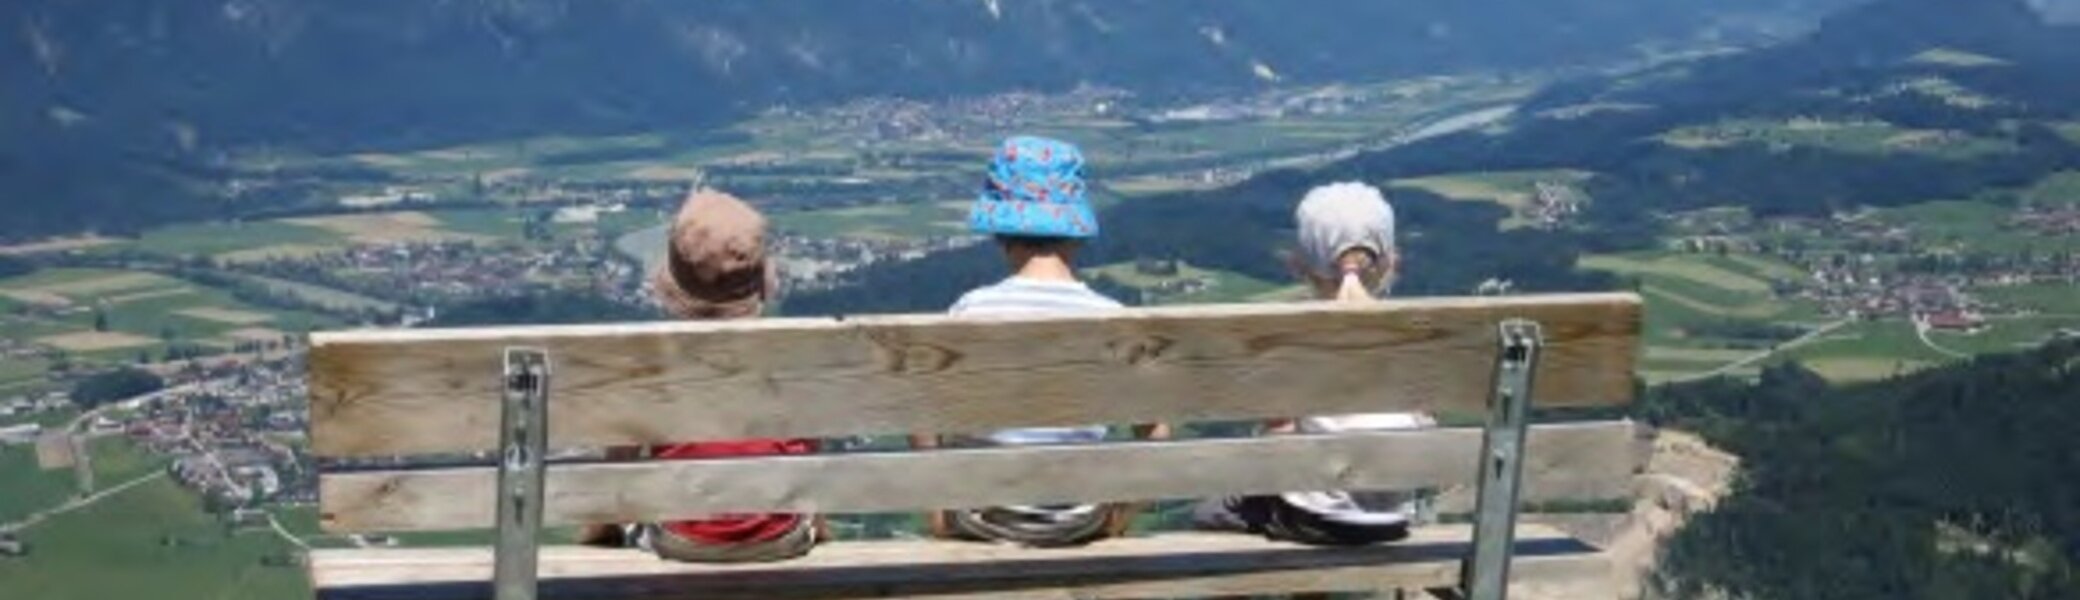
1921	329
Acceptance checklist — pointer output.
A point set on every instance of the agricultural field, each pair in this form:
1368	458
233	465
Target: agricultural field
138	313
16	372
2070	130
1696	303
2008	334
152	541
31	489
2058	189
1956	58
240	240
329	298
1868	350
879	221
1513	190
1975	228
236	242
2048	298
386	228
1859	137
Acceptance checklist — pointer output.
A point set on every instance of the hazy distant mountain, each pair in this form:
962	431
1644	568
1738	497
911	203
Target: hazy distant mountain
125	83
2058	11
360	72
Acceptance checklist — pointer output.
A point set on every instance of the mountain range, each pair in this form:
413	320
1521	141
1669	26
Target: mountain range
120	111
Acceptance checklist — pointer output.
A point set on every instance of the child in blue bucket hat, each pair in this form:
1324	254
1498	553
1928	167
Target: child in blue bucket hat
1035	203
1035	189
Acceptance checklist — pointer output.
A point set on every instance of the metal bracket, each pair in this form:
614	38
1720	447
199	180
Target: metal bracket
1486	572
523	443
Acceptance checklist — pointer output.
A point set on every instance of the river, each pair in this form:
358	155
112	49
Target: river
645	245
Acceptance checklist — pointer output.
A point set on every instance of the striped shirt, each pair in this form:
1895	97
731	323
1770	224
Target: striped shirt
1025	295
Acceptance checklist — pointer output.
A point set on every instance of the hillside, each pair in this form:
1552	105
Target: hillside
134	103
1951	483
1941	126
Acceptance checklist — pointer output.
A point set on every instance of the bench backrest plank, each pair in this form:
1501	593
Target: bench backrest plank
1177	565
1573	462
387	393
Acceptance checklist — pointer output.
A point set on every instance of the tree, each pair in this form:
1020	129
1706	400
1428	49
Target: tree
110	386
100	320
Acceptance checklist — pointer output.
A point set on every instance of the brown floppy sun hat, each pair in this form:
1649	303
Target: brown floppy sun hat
715	260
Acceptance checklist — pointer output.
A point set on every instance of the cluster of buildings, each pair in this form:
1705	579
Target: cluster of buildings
1868	267
816	263
231	436
438	273
899	119
1553	203
29	405
1939	302
2048	220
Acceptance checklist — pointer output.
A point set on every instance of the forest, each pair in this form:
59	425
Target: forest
1950	483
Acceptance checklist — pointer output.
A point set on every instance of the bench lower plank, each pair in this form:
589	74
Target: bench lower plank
1166	565
1573	461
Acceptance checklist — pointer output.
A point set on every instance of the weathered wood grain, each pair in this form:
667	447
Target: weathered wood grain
1168	565
1572	462
376	393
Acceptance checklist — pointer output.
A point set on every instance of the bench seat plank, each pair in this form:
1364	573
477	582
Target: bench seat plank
1580	461
404	392
1165	565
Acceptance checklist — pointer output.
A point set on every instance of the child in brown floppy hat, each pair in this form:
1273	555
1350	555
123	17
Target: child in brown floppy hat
715	261
716	268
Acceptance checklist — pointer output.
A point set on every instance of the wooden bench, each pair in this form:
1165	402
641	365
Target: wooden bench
376	395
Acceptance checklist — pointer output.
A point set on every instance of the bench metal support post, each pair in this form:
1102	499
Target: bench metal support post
1486	573
523	444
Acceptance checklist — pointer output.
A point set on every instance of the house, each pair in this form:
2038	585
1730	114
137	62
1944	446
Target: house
20	434
1955	320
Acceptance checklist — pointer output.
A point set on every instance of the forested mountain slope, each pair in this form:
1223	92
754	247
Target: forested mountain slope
1950	483
1968	96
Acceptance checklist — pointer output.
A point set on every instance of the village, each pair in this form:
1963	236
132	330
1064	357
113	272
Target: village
1865	265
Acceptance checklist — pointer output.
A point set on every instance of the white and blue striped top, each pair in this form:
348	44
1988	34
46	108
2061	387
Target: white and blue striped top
1025	295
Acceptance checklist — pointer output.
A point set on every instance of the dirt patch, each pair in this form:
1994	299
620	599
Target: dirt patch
275	252
1696	354
498	175
385	228
37	297
225	315
254	334
385	161
104	284
448	155
89	341
658	173
750	158
128	298
1857	369
57	245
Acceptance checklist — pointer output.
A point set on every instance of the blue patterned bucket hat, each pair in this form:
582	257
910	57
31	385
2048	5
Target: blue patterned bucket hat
1035	189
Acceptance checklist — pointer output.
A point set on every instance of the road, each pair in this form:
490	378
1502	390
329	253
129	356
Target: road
1921	331
78	503
130	404
284	532
1802	340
